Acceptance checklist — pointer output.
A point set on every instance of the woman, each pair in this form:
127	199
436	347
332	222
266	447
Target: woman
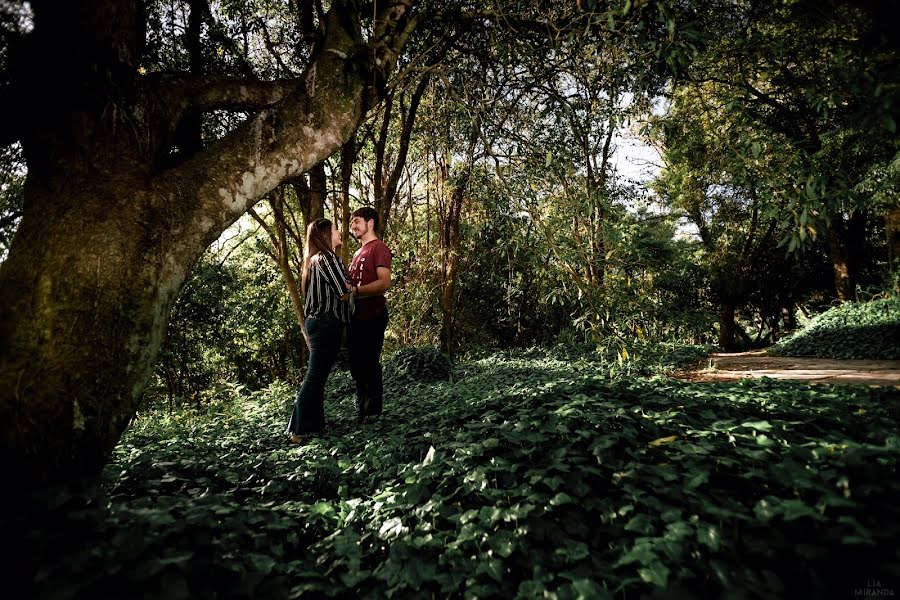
325	284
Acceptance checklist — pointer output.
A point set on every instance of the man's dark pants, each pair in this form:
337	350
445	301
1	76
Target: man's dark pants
324	343
366	340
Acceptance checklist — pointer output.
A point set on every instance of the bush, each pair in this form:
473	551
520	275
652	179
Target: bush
853	330
418	364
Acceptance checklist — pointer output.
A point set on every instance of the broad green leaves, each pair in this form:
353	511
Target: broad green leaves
530	473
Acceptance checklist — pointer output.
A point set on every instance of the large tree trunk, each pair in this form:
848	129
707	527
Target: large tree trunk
107	240
727	328
845	242
85	295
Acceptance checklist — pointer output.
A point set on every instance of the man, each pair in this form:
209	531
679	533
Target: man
370	276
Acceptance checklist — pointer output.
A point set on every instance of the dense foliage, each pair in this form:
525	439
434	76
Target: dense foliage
418	364
775	124
853	330
231	325
533	473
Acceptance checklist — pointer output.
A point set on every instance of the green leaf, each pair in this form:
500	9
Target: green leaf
708	535
641	524
492	567
573	550
642	553
392	528
561	498
757	425
502	543
656	573
697	480
588	589
322	508
811	191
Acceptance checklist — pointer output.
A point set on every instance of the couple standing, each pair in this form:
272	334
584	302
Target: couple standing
335	299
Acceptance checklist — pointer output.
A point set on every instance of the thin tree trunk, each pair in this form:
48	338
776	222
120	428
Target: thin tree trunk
892	231
282	254
348	157
386	187
597	196
189	135
412	214
450	243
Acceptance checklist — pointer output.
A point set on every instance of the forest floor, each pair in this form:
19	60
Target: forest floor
565	475
756	363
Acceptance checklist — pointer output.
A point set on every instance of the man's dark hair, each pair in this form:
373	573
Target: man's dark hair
367	213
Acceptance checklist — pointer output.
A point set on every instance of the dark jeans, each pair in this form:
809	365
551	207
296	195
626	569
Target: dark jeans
366	341
324	343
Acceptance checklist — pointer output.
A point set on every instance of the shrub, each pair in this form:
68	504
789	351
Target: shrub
418	364
853	330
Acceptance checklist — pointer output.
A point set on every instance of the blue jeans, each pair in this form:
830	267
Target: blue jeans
309	407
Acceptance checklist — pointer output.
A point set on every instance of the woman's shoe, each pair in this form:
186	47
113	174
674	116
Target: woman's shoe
298	440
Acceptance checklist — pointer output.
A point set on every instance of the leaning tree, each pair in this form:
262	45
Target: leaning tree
112	224
122	197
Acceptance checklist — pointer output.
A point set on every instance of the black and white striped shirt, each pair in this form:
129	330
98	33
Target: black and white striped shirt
326	284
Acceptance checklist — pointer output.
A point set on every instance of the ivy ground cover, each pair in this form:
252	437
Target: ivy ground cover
867	330
528	475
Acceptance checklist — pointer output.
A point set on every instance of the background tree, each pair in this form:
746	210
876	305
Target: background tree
809	81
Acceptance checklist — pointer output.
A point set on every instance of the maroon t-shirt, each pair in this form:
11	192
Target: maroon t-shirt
363	270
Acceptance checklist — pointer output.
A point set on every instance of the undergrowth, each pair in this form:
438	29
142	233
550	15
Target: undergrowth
867	330
530	474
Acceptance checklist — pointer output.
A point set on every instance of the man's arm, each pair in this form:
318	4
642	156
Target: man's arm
377	287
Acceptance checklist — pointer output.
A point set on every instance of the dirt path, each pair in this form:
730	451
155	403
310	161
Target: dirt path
739	365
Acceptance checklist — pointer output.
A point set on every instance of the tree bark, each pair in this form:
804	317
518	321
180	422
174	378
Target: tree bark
107	239
386	185
311	195
892	231
845	241
727	327
348	157
450	246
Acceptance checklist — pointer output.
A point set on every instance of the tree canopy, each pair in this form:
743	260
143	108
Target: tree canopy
136	133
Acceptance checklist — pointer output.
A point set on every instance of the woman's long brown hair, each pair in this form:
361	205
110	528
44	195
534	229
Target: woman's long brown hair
318	240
